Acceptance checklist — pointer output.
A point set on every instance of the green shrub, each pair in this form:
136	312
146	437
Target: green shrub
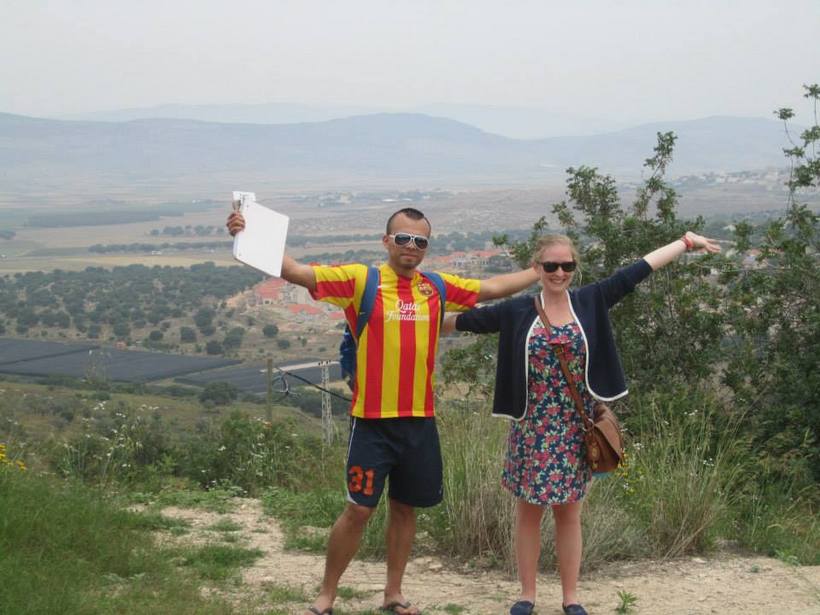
476	517
683	474
219	393
252	454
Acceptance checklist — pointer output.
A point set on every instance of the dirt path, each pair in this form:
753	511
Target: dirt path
723	584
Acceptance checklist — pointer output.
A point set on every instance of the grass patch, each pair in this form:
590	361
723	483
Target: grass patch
348	593
155	521
298	511
218	500
65	549
778	522
285	593
304	517
218	562
225	525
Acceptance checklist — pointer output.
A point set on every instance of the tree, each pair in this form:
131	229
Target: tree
775	315
233	339
669	330
204	317
270	330
213	347
187	335
121	329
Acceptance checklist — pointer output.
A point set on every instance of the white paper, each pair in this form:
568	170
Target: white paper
262	244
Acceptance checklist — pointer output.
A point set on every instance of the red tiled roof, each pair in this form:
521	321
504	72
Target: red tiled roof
269	289
299	308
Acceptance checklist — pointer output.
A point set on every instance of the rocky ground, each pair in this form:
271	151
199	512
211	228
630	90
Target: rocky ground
725	583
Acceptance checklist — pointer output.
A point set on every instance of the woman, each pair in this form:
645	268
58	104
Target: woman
545	463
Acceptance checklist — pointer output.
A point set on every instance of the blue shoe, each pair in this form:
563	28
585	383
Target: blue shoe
522	607
574	609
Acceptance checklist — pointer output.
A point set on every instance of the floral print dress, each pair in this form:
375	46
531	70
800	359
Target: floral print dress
546	461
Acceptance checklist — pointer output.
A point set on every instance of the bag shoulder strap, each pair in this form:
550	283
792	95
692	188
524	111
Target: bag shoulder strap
368	299
441	287
559	352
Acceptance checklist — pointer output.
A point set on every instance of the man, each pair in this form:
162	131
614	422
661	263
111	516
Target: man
393	429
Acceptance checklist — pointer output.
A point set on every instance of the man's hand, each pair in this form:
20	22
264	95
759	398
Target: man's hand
449	324
235	223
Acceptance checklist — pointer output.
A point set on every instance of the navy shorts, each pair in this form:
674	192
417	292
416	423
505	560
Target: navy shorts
405	449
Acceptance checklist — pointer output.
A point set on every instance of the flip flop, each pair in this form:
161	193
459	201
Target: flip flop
391	607
315	611
522	607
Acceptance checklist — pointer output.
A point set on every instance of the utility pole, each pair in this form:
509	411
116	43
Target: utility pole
327	416
269	411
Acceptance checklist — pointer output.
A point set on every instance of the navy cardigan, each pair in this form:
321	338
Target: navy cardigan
590	306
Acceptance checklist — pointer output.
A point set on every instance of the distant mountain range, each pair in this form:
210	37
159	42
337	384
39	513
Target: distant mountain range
513	122
411	147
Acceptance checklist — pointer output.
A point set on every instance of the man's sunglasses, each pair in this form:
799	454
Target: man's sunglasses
551	267
403	239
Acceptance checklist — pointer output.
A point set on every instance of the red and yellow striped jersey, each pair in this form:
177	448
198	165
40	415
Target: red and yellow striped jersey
395	356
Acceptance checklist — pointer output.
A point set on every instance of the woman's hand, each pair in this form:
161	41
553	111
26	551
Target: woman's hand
699	242
690	241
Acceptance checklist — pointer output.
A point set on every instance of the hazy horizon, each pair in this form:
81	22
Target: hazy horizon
625	64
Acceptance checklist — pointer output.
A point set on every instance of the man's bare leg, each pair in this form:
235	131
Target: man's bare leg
342	545
401	531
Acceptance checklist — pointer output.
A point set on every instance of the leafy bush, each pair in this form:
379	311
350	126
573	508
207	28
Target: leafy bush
219	393
253	454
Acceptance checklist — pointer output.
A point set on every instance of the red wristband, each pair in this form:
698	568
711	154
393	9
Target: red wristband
687	242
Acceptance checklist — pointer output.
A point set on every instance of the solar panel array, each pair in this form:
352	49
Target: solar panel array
36	358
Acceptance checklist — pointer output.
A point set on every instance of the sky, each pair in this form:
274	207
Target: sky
627	61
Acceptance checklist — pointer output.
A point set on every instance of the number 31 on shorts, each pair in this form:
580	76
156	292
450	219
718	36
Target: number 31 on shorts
361	480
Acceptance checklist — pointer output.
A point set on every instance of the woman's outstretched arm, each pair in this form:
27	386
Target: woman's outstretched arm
671	251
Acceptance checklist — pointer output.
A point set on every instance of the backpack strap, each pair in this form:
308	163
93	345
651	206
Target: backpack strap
369	296
368	299
441	287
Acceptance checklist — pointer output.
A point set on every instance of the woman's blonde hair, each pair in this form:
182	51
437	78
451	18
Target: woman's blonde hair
548	241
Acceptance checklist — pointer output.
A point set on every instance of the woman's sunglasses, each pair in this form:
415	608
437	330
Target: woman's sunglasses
551	267
403	239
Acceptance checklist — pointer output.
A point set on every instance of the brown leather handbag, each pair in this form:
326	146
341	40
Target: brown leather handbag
602	433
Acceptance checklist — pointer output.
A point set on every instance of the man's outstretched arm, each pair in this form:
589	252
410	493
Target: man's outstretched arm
507	284
292	271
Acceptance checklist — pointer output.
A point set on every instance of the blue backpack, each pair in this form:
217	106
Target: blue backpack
347	349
